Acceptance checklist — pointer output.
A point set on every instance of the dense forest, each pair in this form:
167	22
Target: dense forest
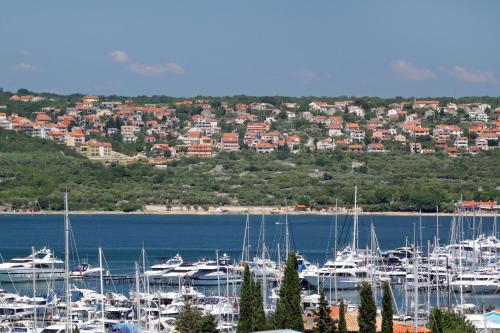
35	172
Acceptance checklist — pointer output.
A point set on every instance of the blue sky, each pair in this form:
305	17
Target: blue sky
259	47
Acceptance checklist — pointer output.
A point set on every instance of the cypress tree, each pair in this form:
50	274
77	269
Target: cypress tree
246	303
259	316
387	309
323	322
367	311
342	327
288	312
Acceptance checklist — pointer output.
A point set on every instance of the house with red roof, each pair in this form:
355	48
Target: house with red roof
230	142
326	144
264	147
355	148
375	148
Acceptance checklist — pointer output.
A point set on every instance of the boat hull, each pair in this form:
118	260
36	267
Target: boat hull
328	282
26	276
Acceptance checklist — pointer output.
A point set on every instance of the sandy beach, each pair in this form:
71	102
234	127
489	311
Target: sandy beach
238	210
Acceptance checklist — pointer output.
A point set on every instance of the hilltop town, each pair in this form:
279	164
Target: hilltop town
228	153
122	130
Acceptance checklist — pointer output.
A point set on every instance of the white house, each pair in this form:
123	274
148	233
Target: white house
325	144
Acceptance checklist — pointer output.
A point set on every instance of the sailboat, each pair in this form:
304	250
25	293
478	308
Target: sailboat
347	271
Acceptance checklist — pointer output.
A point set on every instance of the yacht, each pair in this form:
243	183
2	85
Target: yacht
476	283
177	275
41	265
158	270
213	273
260	267
342	274
86	270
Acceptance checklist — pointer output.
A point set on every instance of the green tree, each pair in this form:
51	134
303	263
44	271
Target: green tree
288	312
259	315
208	324
367	312
342	326
192	320
323	322
445	321
387	309
245	323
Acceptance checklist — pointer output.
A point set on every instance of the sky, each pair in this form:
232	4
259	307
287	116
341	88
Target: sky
259	47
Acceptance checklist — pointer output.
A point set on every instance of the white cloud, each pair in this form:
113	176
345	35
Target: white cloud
408	70
119	56
474	76
305	75
25	67
157	70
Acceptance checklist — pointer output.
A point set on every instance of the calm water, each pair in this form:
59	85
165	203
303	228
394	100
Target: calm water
195	236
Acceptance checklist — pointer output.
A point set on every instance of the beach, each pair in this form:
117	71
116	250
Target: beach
240	210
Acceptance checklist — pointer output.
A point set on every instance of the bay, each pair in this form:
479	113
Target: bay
194	236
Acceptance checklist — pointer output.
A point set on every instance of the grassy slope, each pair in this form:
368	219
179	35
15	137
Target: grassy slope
33	173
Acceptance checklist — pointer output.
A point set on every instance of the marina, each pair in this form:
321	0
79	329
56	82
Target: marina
142	269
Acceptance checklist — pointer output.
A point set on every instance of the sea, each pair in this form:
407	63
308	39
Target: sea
123	236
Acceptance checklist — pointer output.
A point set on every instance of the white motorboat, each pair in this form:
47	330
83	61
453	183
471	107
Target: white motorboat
158	270
476	283
212	273
337	274
41	265
86	270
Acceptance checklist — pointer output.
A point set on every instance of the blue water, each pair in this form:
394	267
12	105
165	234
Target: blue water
195	236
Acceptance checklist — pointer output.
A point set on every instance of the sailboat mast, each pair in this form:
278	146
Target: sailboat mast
102	289
218	273
355	227
460	225
287	234
437	226
336	227
66	264
145	284
34	289
264	292
137	295
415	289
246	240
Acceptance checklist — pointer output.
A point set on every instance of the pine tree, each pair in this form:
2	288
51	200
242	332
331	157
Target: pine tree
288	312
259	316
246	303
387	309
342	326
189	319
323	322
367	311
445	321
207	324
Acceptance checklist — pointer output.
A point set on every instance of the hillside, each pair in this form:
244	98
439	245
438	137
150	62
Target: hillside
34	172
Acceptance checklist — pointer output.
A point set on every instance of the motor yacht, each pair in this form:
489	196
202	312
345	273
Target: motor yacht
41	265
